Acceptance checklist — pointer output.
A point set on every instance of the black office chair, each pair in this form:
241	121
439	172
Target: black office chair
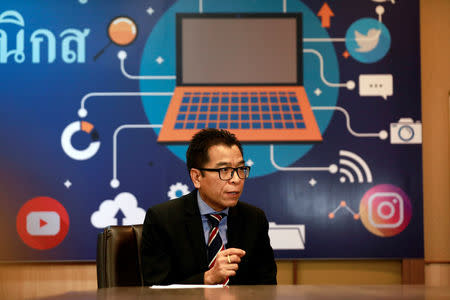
119	256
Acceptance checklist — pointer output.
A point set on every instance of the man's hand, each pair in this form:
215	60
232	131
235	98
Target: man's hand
226	265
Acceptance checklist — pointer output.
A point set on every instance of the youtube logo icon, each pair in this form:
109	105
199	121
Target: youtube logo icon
42	223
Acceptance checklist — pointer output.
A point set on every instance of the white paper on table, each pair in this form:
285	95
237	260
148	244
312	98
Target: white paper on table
187	286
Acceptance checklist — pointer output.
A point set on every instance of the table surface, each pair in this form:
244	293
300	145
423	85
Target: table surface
280	292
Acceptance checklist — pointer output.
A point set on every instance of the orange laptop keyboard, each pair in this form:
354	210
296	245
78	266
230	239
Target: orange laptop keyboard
254	114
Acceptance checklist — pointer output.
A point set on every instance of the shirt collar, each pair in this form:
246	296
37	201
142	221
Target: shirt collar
205	209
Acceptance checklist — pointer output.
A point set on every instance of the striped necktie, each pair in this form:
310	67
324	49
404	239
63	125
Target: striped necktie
215	244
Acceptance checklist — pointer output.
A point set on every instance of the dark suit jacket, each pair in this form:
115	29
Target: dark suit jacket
174	248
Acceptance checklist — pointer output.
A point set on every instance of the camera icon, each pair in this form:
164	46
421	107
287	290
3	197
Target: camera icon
386	210
406	131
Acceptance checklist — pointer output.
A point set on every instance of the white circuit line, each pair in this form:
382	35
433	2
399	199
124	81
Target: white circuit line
347	118
200	6
284	6
321	69
380	11
82	112
122	55
332	168
115	182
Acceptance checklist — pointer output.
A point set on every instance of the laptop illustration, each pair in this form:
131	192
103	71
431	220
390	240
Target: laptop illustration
242	72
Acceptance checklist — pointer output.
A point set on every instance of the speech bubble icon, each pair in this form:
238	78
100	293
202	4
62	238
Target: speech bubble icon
376	85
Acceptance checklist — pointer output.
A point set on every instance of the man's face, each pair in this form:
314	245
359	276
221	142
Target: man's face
217	193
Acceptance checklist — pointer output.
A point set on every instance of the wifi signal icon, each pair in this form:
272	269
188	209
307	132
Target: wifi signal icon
352	164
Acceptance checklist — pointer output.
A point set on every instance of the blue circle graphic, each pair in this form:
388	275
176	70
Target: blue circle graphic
368	40
159	58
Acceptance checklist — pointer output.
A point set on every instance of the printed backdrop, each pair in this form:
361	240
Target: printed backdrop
81	112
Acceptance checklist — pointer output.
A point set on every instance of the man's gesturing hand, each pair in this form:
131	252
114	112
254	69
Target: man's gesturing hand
226	265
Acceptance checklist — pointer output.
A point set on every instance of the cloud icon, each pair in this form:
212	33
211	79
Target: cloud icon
123	210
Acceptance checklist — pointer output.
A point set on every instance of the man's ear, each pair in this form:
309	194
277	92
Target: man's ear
195	177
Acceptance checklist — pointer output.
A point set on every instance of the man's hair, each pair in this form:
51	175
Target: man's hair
197	153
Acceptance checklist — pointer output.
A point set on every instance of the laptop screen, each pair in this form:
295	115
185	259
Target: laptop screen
239	49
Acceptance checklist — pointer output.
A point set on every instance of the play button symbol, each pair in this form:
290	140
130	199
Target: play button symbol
42	223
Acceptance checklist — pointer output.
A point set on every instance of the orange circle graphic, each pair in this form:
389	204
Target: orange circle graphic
122	31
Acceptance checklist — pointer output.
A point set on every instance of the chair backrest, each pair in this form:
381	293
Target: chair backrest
119	256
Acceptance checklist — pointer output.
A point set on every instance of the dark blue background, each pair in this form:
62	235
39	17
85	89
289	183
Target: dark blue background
39	100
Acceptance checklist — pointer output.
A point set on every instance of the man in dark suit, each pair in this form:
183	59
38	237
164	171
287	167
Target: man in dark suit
178	235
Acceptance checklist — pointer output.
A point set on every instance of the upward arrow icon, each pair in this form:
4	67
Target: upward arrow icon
119	216
325	13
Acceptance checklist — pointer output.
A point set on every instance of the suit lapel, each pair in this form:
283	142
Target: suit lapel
234	226
194	228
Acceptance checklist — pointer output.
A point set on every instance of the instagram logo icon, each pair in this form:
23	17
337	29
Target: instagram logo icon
385	210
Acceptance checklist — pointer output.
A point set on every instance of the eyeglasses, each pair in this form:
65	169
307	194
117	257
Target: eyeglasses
228	172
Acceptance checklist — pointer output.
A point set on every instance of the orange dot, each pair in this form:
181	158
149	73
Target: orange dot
343	203
122	31
331	215
356	217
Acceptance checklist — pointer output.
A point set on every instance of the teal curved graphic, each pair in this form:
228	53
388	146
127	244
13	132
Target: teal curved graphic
368	40
159	58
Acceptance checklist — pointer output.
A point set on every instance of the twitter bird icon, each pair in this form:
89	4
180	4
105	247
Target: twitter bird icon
367	43
367	40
